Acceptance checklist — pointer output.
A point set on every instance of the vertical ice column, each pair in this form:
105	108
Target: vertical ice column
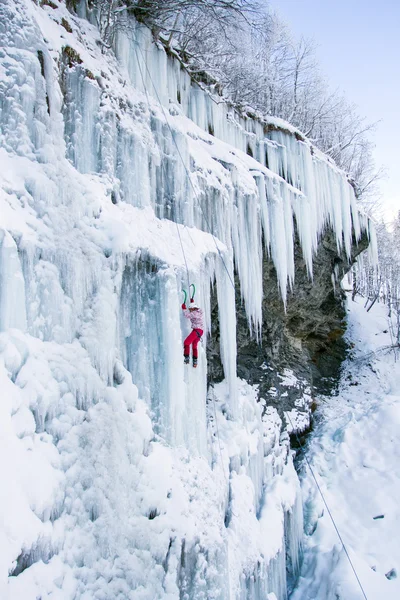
108	142
267	581
127	52
355	215
246	237
186	198
271	155
328	198
265	217
81	109
198	108
294	524
346	214
276	154
281	233
50	312
172	192
207	277
195	380
172	398
255	470
330	190
227	322
132	169
276	576
146	63
12	285
336	207
303	210
140	342
322	191
185	414
307	218
151	341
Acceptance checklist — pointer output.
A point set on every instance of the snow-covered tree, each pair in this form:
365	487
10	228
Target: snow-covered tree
250	52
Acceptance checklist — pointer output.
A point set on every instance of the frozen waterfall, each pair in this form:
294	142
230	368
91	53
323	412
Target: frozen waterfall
126	477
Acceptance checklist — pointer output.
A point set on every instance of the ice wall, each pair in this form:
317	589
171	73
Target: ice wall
316	193
124	479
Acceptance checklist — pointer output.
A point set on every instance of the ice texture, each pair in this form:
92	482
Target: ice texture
121	477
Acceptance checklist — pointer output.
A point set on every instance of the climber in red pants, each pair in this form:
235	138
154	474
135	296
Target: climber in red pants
195	314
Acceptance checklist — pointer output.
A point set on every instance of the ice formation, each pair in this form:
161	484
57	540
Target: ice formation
119	480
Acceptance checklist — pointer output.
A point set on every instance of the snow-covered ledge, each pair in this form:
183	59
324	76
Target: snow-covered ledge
123	479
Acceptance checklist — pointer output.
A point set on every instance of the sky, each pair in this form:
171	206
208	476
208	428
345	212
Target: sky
358	47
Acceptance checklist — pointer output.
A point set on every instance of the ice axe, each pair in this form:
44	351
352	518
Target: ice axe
191	294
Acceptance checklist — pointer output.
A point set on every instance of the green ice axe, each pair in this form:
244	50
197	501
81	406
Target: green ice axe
191	295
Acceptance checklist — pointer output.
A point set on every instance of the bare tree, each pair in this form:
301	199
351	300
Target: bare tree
164	15
252	55
161	13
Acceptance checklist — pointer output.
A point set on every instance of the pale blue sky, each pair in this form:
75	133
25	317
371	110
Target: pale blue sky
359	52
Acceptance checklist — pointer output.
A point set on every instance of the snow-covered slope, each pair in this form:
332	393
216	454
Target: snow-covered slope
354	452
119	479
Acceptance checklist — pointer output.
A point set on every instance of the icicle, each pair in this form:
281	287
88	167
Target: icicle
281	223
373	243
12	285
265	216
98	305
227	323
294	531
355	215
247	246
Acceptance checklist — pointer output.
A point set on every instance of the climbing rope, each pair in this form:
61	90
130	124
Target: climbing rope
180	239
233	285
184	255
326	505
218	437
162	162
180	156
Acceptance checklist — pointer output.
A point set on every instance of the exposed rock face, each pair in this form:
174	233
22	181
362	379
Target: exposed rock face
307	339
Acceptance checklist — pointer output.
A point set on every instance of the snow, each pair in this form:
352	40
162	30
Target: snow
105	502
122	481
354	453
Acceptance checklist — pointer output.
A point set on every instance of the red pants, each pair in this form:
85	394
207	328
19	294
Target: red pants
193	338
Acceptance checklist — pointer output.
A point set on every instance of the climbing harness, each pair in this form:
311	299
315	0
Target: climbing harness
191	295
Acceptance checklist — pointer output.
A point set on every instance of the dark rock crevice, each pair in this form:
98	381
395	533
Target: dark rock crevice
307	339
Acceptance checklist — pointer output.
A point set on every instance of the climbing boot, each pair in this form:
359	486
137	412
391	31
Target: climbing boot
186	360
194	362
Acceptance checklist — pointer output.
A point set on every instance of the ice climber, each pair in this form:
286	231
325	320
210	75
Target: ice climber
195	314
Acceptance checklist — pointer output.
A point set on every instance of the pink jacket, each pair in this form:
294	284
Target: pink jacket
196	318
